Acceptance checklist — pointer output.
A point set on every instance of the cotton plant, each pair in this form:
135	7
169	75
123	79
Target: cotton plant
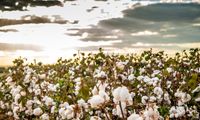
149	86
122	98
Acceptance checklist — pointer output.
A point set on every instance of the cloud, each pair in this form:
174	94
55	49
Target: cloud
169	36
144	33
14	47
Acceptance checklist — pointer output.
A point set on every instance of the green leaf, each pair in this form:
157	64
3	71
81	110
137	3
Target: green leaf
193	81
163	110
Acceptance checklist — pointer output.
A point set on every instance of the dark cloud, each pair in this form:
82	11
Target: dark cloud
165	19
165	12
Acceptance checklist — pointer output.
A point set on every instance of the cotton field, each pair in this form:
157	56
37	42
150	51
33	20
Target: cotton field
100	86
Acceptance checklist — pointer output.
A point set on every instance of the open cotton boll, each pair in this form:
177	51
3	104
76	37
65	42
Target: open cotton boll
197	99
120	110
96	101
69	112
15	90
45	116
52	87
101	74
100	86
152	99
158	91
9	81
120	65
23	93
134	117
197	89
104	95
131	77
82	103
176	112
42	76
183	97
151	113
166	98
37	111
169	70
95	118
62	113
122	94
48	101
17	97
144	99
29	103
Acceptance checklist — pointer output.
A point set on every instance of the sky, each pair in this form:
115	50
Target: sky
47	33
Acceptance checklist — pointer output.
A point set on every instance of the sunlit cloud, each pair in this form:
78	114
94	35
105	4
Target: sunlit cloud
15	47
144	33
196	24
170	36
160	45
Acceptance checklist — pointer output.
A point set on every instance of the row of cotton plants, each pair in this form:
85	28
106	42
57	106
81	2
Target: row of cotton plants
149	86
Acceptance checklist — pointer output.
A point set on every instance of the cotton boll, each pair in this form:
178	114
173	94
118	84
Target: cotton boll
151	113
29	112
45	116
95	91
44	84
42	76
95	118
197	89
169	83
122	94
176	112
158	91
134	117
53	109
96	101
9	113
15	90
120	110
169	70
2	105
142	70
155	72
104	95
37	111
29	103
15	110
121	65
81	102
131	77
197	99
183	97
69	112
62	113
52	87
116	94
9	81
17	97
100	86
101	74
48	101
152	99
166	98
144	99
37	91
122	77
23	93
